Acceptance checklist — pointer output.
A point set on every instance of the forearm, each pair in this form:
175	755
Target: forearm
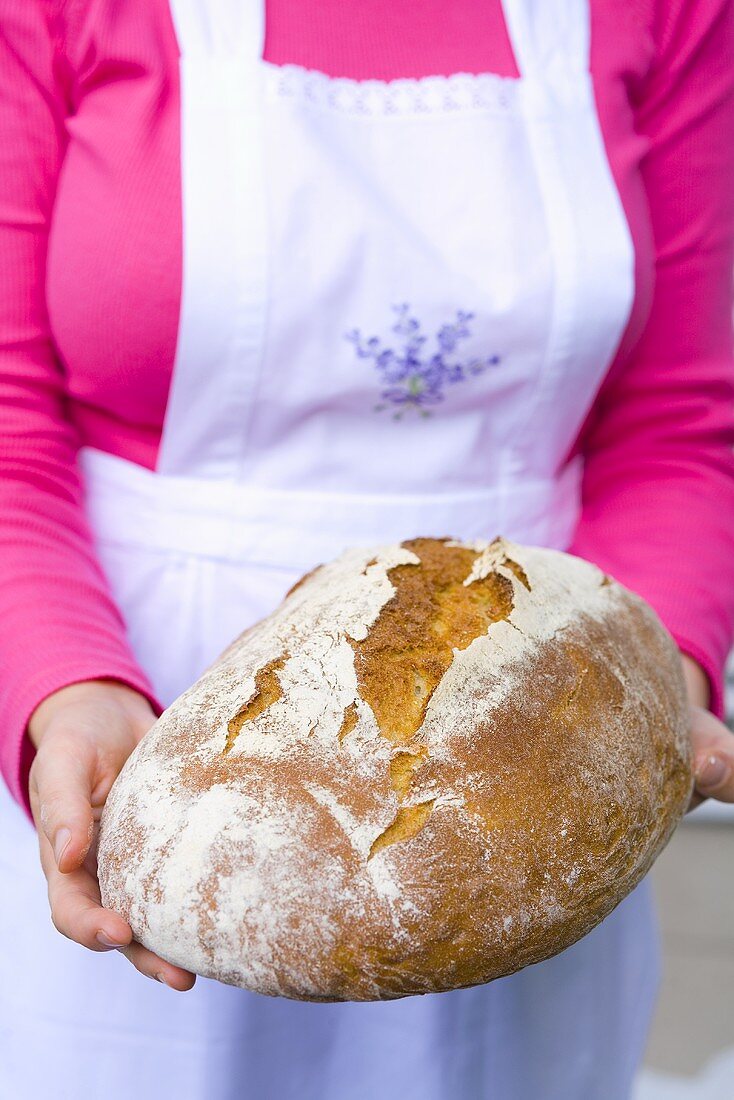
60	624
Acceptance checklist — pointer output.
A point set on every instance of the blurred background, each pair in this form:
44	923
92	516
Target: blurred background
690	1055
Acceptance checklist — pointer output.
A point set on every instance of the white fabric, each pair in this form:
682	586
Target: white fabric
476	212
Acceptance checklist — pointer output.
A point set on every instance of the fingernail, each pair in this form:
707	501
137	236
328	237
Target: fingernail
107	942
713	772
159	978
61	843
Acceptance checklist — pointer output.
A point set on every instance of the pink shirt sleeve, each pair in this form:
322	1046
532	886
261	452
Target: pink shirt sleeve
59	623
658	487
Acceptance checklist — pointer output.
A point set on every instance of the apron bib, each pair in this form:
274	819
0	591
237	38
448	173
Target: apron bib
399	300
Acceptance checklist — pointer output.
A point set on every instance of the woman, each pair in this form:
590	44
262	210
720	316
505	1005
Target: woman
415	272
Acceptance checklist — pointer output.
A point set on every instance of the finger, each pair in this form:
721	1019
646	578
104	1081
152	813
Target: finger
152	966
78	914
61	788
76	909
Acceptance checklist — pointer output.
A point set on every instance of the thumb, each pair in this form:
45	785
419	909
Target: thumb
61	781
713	757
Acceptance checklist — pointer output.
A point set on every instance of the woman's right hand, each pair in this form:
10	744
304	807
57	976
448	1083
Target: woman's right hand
83	734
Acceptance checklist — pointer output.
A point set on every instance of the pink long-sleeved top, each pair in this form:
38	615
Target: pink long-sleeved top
90	280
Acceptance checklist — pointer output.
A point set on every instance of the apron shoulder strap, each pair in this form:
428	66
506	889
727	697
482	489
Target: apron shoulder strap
550	38
219	27
225	254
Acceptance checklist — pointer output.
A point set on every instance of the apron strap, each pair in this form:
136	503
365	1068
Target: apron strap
550	38
225	261
222	27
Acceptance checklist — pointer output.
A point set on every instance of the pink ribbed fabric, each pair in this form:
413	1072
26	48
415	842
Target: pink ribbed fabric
90	275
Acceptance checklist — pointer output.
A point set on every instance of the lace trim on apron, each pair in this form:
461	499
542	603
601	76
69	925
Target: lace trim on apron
428	95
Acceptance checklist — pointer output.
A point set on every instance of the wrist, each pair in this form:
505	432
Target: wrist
697	682
84	693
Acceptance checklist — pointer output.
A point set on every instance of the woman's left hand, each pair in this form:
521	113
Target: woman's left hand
713	743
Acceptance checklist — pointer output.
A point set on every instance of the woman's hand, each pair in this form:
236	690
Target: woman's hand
713	743
84	733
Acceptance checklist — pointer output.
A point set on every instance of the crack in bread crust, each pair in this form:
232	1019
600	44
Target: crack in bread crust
438	608
434	611
267	691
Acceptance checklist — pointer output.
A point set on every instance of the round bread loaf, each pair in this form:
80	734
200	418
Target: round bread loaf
433	764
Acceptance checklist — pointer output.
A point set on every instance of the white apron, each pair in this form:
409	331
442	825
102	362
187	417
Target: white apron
399	300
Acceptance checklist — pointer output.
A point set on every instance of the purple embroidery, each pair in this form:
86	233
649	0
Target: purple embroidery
414	378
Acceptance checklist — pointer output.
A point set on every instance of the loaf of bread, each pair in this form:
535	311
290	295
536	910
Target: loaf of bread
433	764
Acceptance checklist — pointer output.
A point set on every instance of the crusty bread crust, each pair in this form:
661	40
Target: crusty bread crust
433	764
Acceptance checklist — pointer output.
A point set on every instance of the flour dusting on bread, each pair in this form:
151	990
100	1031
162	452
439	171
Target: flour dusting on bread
434	763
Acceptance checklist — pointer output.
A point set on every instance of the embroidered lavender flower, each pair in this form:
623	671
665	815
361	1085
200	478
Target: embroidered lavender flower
413	377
